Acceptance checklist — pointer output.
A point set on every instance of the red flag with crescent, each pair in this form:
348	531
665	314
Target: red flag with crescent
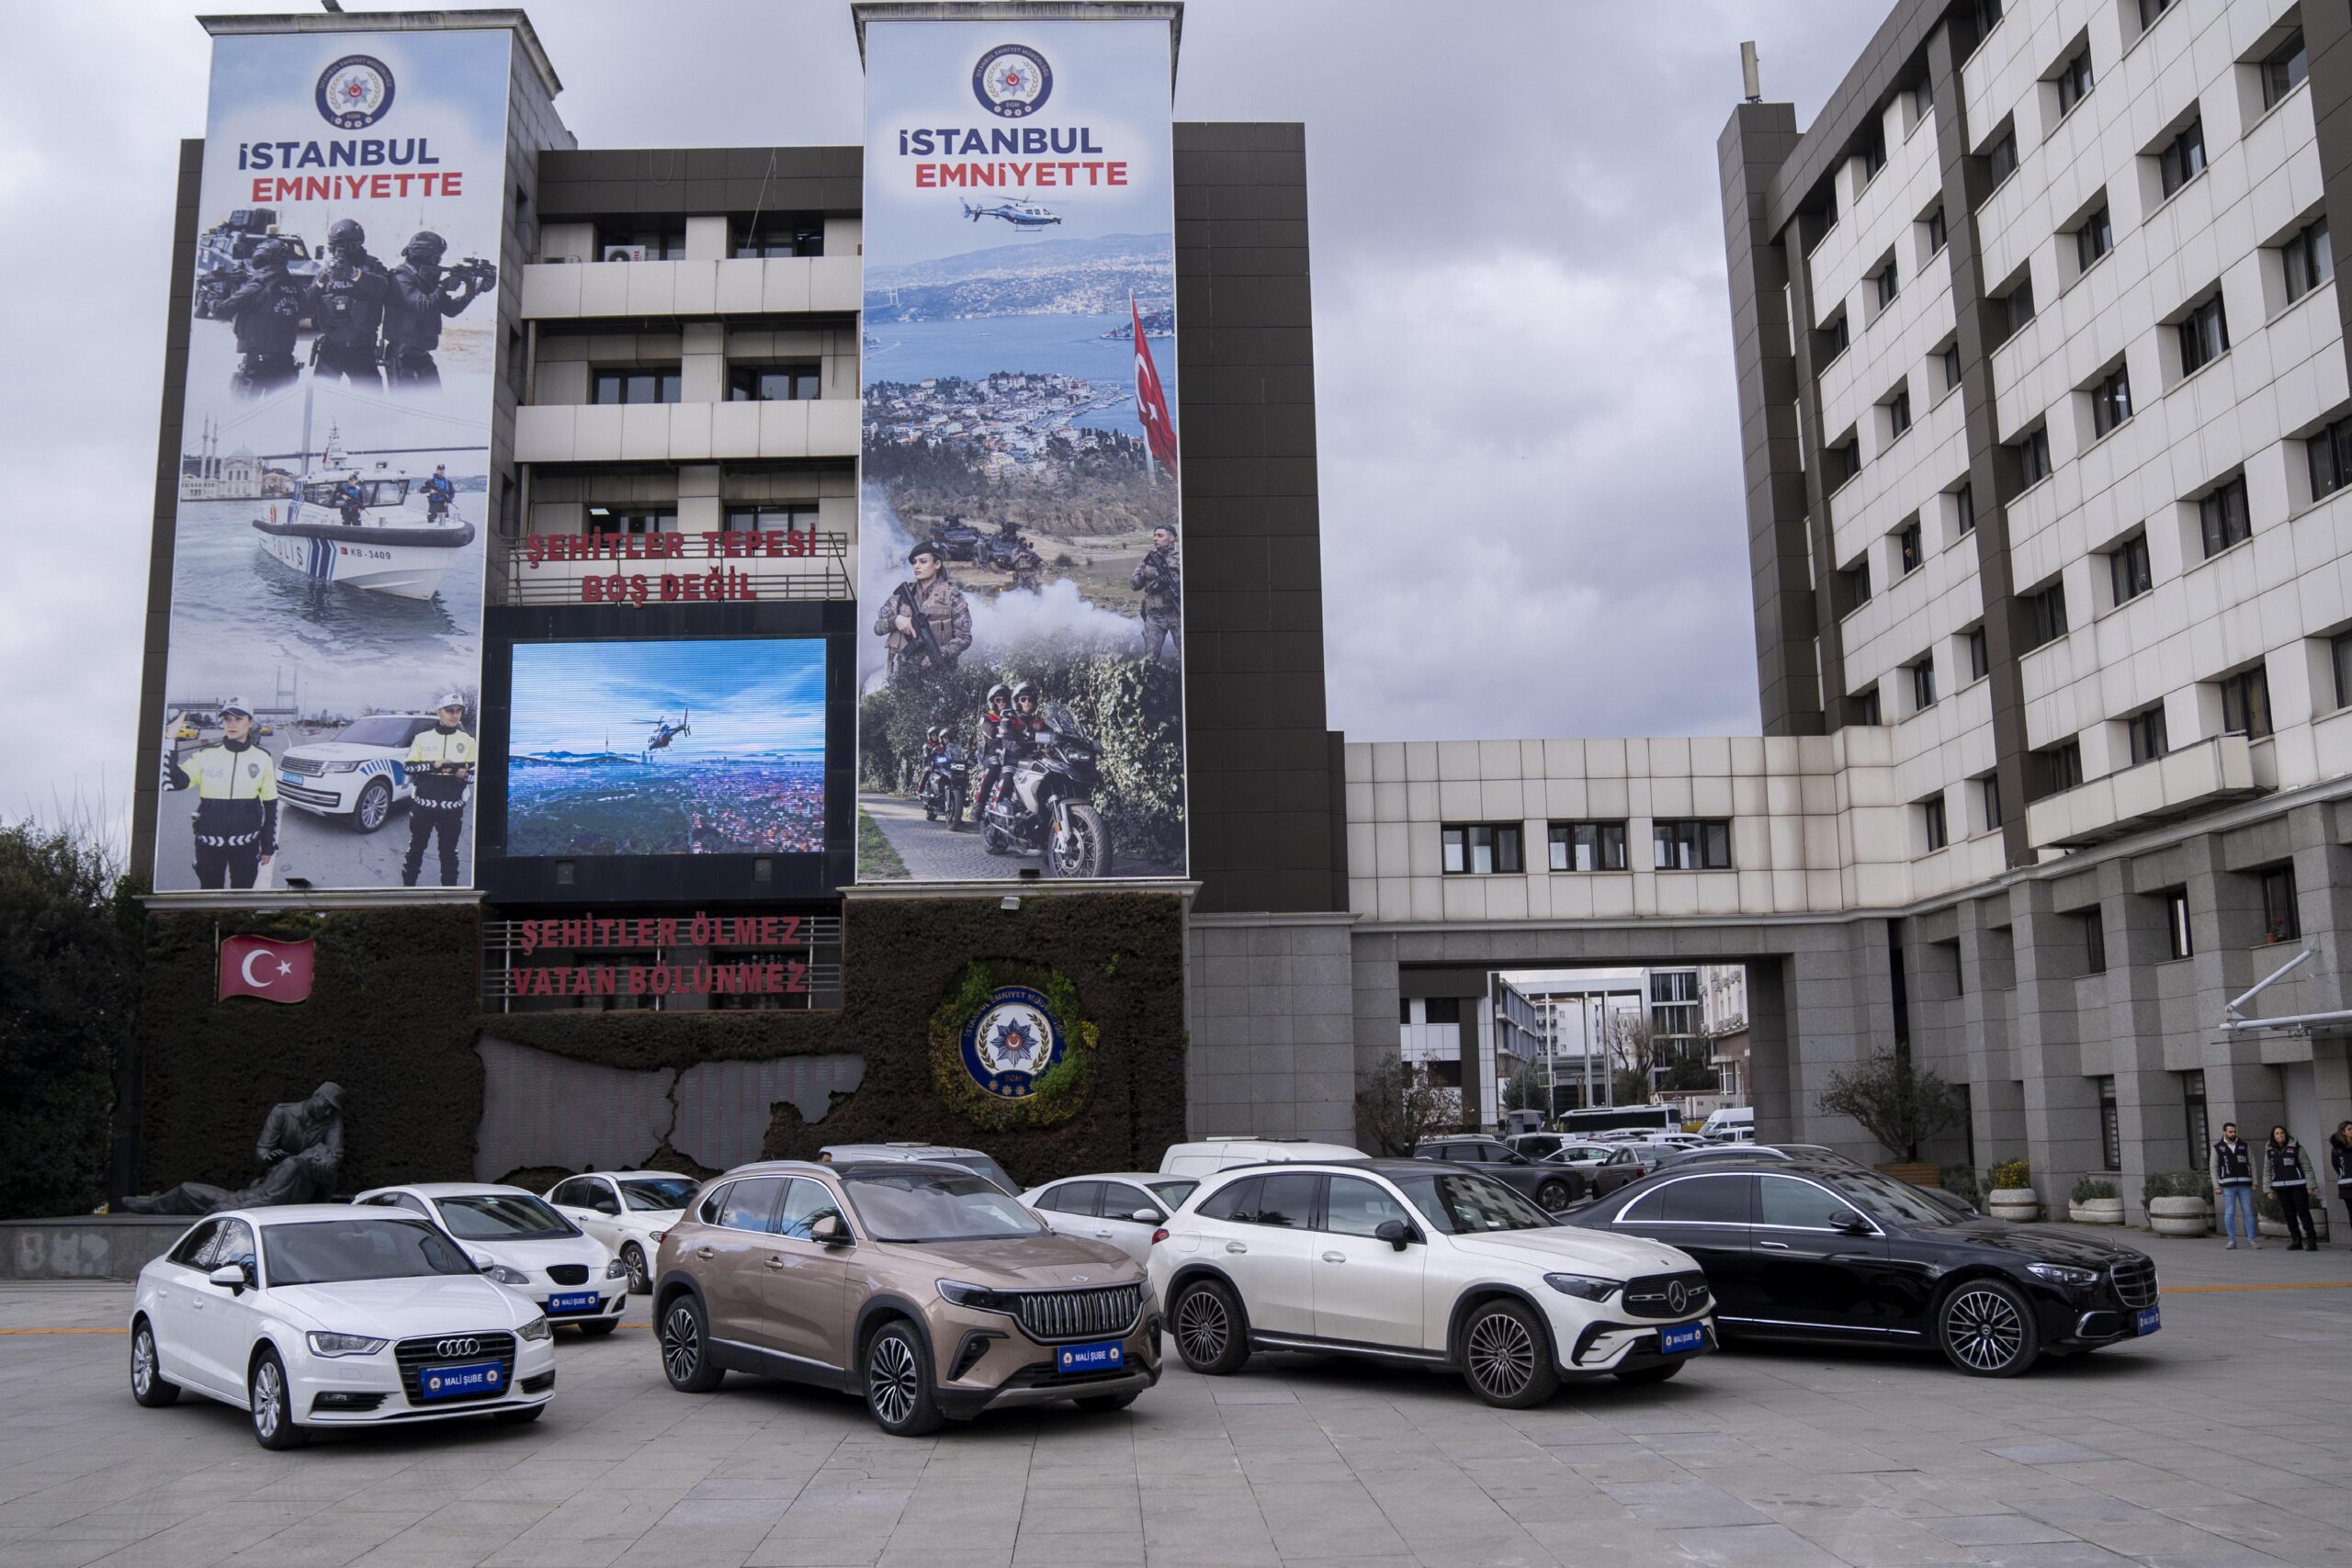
1151	403
262	966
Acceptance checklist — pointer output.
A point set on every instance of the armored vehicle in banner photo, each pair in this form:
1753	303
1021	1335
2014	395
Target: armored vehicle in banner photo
224	256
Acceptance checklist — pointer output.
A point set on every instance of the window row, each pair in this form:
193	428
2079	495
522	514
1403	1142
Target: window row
1497	848
2275	908
745	384
767	236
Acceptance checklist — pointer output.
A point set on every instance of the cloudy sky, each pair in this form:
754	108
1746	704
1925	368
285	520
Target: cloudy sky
1532	512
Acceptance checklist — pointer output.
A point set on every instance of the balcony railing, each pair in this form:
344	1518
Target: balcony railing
674	569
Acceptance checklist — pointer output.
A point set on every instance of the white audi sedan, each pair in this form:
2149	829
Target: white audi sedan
523	1245
629	1211
315	1315
1413	1262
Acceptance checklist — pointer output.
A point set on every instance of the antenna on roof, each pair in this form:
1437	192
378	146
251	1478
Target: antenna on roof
1751	76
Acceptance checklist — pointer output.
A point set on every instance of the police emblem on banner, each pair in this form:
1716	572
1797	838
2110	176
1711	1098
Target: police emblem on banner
1010	1044
355	92
1013	80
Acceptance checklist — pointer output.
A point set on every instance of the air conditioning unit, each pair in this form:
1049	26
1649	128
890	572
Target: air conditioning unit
625	253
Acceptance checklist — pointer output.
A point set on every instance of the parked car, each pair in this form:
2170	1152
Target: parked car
627	1210
1423	1263
1125	1209
317	1314
1535	1145
1606	1168
1675	1160
1729	1123
1551	1187
973	1160
523	1245
360	772
1819	1250
1212	1155
922	1288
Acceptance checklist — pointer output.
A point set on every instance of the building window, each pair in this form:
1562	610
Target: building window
2177	941
2245	703
2110	401
1863	708
638	385
1442	1009
2223	518
1404	1010
2128	569
1858	582
2339	655
2182	158
2048	608
1988	792
797	517
771	383
2279	921
2199	1125
2061	765
2147	735
2073	81
1923	99
2283	70
1888	282
1835	337
1911	547
2094	238
2204	336
1874	151
1845	462
2033	458
2150	10
2016	308
1899	412
1587	846
1482	848
1691	844
2001	158
1931	812
2309	261
634	241
1963	507
1985	15
1980	655
2110	1127
1950	362
611	520
2330	459
1936	235
2094	941
776	237
1923	683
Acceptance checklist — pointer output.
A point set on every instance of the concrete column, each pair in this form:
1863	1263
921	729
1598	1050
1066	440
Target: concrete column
2061	1132
1272	1027
699	510
702	363
707	238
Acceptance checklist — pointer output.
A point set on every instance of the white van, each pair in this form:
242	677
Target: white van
1213	1154
1730	1124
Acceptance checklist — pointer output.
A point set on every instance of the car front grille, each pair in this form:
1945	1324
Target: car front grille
568	1273
2135	1281
1653	1296
1048	1317
326	797
415	1355
305	766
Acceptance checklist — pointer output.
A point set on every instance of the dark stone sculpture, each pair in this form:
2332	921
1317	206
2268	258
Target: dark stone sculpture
300	1153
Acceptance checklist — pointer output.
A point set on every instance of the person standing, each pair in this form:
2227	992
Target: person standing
346	306
267	311
236	802
2290	1184
2233	1180
421	294
440	773
925	623
2339	1159
439	493
1160	578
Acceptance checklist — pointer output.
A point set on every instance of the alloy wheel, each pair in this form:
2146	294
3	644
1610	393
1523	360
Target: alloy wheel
1202	1327
270	1399
374	804
1985	1331
681	1343
1501	1355
142	1363
890	1375
633	1259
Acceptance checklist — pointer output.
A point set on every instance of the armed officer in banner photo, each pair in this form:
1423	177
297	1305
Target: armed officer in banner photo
422	292
347	300
1160	578
440	776
924	623
237	801
268	312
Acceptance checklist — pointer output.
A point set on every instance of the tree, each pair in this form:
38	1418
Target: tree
1527	1089
1900	1105
1400	1106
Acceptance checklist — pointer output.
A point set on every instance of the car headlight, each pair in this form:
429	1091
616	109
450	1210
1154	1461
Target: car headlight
343	767
979	1297
537	1328
323	1344
1584	1287
615	1269
2062	1274
501	1274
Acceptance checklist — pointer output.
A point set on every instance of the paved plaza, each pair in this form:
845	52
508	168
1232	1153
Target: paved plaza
2225	1440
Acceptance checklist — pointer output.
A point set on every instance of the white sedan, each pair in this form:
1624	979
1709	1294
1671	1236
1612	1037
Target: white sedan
1125	1209
629	1211
315	1315
523	1245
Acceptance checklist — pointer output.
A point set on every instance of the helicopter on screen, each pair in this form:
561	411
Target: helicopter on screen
1019	214
664	732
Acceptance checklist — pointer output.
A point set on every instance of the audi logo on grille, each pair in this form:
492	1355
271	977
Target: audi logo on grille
1678	1297
458	1347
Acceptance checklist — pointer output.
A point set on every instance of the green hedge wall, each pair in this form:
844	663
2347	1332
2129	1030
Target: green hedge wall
392	1016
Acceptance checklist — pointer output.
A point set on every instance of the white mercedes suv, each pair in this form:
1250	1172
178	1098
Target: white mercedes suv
1411	1261
523	1245
315	1315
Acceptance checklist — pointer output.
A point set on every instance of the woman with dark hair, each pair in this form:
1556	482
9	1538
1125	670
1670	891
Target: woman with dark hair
2339	1155
2290	1184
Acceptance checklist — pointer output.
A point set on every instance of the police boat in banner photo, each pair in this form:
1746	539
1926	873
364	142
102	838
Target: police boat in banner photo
368	526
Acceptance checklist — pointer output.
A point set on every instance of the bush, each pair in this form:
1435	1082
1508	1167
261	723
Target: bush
2090	1188
2012	1173
1900	1105
2175	1184
1961	1182
2267	1205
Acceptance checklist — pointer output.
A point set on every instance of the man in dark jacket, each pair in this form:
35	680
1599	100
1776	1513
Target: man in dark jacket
267	311
2289	1172
2340	1159
422	294
2233	1180
347	303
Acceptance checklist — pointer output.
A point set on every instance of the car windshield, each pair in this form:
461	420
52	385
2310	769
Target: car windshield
1172	1193
1883	1198
985	1167
923	1205
501	1216
1458	1203
320	1252
659	1193
378	729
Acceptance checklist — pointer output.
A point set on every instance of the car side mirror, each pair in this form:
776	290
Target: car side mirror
607	1206
1851	1223
829	1231
1149	1217
1395	1232
230	1276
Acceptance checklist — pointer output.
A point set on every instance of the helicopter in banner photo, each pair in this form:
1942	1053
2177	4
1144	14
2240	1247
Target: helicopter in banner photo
1019	214
665	732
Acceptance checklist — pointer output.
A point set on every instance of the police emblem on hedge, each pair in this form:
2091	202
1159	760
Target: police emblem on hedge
1013	80
355	92
1009	1043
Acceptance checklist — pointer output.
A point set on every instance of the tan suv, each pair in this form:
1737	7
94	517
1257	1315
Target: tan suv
921	1286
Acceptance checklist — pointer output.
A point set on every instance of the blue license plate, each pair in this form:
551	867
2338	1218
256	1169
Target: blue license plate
449	1383
1682	1339
2145	1321
1107	1357
572	1301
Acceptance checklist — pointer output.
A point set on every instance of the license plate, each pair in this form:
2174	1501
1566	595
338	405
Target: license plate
449	1383
1106	1357
2145	1321
572	1301
1682	1339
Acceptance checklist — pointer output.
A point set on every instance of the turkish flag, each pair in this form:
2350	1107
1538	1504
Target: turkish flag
262	966
1151	403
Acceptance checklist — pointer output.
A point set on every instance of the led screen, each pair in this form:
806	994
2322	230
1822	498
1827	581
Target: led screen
667	747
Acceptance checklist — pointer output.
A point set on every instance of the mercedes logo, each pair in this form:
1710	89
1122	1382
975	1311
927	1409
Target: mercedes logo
458	1347
1677	1298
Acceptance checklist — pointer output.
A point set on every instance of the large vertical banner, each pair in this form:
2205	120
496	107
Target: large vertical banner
334	472
1020	558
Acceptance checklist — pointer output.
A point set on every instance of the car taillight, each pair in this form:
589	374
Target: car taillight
658	1235
1159	1235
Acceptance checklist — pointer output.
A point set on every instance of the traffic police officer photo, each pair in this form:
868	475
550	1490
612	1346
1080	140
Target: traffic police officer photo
421	293
236	802
268	312
440	774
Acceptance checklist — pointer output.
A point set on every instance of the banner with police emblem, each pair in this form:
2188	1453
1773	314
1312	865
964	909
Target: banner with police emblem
1021	558
334	495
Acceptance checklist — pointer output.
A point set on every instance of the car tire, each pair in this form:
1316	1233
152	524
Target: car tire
1985	1328
1664	1372
1211	1335
270	1401
373	809
148	1384
897	1381
1105	1404
1554	1196
1507	1355
640	1279
600	1327
523	1417
685	1347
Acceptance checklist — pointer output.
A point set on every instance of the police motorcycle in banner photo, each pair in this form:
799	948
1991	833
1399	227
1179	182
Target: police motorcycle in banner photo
947	782
1046	801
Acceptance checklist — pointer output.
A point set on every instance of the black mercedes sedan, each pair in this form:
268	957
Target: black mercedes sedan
1833	1253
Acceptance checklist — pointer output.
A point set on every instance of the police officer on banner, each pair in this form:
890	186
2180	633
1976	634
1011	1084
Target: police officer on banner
440	774
439	493
1160	578
422	294
237	801
347	300
268	312
924	623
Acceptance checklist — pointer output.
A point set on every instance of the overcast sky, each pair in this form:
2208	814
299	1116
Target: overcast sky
1532	501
